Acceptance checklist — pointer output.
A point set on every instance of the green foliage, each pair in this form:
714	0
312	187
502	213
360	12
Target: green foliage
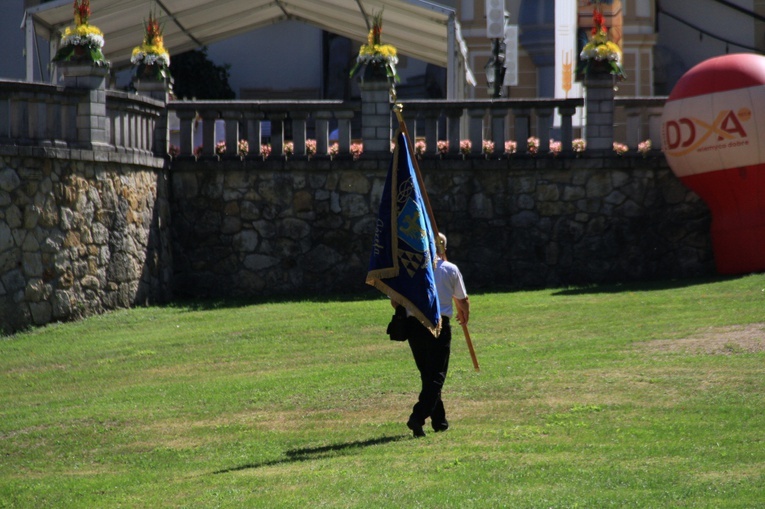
622	396
196	76
156	72
91	54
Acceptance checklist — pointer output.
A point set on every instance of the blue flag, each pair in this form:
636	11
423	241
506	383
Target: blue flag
404	251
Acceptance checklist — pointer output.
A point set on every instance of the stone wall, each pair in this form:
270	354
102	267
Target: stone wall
249	228
81	232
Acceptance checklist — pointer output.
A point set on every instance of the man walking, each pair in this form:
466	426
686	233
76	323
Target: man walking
431	354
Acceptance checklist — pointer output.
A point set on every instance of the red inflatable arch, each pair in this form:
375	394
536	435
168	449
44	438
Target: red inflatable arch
713	135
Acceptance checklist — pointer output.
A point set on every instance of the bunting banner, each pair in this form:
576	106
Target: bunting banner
403	256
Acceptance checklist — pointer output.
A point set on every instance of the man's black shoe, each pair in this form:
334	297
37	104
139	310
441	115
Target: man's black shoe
417	430
440	424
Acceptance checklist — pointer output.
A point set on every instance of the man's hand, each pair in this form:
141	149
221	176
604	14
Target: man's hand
463	310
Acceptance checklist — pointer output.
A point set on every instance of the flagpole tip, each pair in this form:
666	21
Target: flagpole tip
398	109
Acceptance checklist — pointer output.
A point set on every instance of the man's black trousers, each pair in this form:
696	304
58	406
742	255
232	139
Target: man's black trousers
431	355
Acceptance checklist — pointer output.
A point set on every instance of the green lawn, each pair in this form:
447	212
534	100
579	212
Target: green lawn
649	396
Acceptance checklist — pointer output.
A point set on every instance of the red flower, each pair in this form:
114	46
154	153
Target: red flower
597	21
81	11
152	28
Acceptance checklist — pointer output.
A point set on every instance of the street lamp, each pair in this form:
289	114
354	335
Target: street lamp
496	20
495	68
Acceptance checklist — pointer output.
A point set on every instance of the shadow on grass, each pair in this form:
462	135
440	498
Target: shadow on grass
645	286
314	453
212	303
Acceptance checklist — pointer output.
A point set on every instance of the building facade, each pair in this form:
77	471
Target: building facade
660	41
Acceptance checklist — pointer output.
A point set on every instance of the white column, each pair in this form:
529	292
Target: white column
566	56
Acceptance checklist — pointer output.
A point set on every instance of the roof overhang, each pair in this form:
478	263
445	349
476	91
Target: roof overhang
420	29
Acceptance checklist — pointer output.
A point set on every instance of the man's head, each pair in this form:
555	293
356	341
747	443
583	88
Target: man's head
441	244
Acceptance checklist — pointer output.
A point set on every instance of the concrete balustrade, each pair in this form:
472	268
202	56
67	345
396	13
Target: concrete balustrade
74	115
432	120
498	120
643	119
285	121
35	114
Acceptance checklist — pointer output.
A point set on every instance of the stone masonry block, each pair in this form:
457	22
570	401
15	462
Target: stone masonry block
376	146
378	120
598	119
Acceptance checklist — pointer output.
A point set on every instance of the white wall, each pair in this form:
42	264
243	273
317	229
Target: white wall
271	57
283	56
12	62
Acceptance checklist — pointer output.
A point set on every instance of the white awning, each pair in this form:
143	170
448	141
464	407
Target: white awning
420	29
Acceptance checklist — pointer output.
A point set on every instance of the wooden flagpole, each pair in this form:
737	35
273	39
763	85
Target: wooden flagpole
469	344
398	108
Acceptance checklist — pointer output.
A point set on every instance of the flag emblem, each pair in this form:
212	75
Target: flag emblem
411	226
410	261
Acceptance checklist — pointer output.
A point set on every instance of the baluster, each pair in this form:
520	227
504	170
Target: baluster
38	120
431	129
634	128
415	126
544	127
566	127
139	132
115	136
654	114
252	130
344	118
52	111
125	120
136	131
498	116
25	115
453	116
231	121
522	118
208	132
127	125
129	131
277	133
322	131
18	112
151	125
142	132
5	118
186	124
475	129
120	126
299	118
